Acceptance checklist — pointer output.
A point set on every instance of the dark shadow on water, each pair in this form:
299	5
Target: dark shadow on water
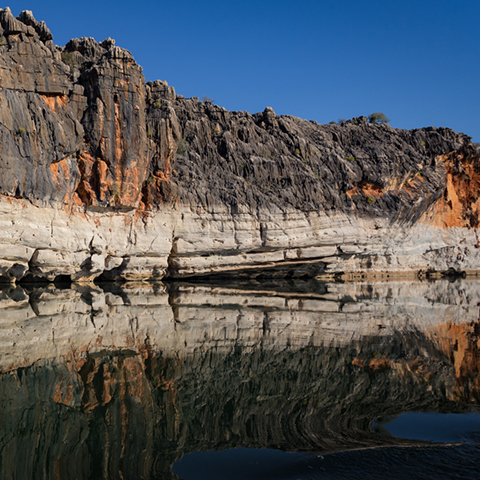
458	461
431	426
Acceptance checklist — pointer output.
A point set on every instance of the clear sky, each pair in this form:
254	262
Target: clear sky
417	61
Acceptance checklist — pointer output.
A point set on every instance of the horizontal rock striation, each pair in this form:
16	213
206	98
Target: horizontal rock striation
133	378
46	324
106	176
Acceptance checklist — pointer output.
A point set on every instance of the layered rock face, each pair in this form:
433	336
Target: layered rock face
183	320
129	379
106	176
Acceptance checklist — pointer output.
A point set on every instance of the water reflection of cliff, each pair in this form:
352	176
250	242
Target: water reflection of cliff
121	382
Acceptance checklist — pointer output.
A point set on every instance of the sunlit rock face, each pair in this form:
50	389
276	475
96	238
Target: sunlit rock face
103	175
127	380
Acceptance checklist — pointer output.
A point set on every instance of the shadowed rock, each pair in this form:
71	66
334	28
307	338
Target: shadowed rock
120	383
113	177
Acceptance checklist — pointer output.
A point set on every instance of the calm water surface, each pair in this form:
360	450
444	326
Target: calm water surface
258	380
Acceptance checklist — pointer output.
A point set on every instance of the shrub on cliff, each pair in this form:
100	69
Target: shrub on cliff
182	147
378	117
69	59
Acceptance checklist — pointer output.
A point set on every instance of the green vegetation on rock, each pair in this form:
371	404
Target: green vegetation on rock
378	117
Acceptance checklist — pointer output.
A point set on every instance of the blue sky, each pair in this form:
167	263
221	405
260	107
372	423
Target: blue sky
416	61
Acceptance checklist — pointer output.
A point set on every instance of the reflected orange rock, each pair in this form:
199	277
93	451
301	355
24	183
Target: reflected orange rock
461	343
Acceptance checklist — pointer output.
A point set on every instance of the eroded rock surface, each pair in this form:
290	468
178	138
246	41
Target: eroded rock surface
103	174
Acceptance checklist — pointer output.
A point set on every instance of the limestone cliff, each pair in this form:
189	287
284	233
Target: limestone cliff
104	175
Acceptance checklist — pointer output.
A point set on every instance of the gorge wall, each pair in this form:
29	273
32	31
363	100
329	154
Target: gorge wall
105	176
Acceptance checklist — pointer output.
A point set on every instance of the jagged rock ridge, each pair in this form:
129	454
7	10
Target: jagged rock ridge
103	174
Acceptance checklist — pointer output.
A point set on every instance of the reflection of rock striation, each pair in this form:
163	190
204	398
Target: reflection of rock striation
104	174
128	380
52	323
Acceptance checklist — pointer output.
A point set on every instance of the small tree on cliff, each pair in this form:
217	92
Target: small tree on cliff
378	117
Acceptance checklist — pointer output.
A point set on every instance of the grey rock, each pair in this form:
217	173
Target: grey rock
212	190
10	25
27	18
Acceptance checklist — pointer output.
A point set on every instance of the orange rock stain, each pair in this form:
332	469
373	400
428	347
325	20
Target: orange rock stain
367	189
55	102
460	204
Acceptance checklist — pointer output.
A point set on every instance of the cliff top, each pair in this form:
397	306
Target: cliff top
81	127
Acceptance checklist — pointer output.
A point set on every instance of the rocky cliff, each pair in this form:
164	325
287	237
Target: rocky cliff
106	176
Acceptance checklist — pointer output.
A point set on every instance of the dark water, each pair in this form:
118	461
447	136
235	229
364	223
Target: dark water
432	462
433	427
243	381
452	452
